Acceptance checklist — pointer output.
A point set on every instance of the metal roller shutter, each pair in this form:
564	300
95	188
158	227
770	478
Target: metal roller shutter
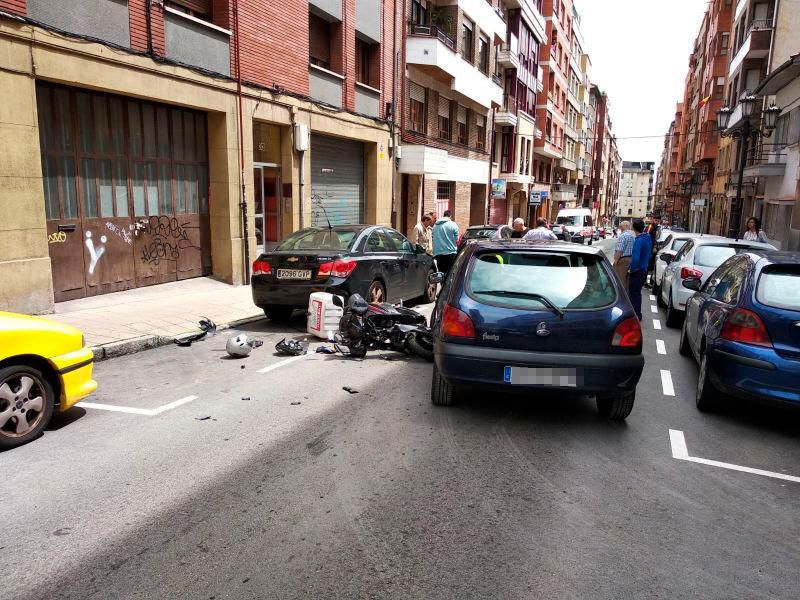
337	181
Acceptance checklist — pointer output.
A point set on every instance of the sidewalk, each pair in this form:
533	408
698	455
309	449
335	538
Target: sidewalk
141	318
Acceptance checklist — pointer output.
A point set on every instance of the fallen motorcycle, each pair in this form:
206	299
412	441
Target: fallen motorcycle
381	326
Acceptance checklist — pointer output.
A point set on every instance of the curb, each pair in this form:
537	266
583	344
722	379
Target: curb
149	342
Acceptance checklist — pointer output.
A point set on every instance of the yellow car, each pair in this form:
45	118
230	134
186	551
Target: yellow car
44	366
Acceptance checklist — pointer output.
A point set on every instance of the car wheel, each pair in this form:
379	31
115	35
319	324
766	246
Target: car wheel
442	392
421	345
617	408
376	292
673	316
659	298
430	290
656	290
684	347
26	404
707	395
278	313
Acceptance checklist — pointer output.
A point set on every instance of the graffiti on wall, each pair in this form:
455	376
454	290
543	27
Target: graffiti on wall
120	232
169	240
95	252
59	237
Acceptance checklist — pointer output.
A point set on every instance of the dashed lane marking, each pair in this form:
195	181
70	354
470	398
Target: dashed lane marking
666	383
283	363
147	412
653	308
652	298
656	324
661	348
681	452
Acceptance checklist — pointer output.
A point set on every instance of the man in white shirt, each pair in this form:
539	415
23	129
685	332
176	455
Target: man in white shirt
541	232
422	233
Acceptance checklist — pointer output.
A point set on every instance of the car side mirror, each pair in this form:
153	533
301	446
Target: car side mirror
435	278
337	301
420	250
692	283
666	257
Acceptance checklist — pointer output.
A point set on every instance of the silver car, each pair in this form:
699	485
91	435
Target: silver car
699	257
669	247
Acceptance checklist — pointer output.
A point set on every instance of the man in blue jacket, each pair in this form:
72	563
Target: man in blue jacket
445	242
637	272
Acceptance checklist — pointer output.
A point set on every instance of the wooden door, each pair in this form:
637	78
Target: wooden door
271	204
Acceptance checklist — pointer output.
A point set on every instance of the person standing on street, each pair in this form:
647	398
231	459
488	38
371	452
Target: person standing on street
754	232
422	233
653	230
642	249
541	232
623	252
518	229
445	242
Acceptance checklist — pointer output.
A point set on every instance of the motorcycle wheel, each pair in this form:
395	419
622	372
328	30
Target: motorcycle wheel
421	345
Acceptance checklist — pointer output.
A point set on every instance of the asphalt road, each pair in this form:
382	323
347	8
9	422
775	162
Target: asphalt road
380	494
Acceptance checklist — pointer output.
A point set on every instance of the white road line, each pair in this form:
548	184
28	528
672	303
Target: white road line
681	452
653	308
661	348
147	412
666	383
652	298
656	324
283	363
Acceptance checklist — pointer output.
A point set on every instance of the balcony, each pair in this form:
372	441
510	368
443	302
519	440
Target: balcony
325	85
195	42
768	161
568	164
507	113
508	55
756	44
368	100
430	50
107	20
547	148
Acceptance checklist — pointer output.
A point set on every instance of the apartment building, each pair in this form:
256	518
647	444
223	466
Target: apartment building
601	192
147	142
635	190
515	190
449	90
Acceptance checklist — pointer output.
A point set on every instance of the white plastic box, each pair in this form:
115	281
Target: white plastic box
323	315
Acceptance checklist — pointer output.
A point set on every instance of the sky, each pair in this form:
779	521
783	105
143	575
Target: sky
640	55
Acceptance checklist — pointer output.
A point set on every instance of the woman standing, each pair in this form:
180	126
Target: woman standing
754	232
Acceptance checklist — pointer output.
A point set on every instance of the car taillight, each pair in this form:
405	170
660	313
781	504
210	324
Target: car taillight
747	327
456	324
262	267
337	268
628	334
687	272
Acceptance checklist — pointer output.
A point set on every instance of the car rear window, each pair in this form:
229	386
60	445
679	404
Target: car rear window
471	234
714	256
569	281
319	239
779	286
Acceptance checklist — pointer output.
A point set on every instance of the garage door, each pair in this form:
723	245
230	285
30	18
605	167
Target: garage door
337	181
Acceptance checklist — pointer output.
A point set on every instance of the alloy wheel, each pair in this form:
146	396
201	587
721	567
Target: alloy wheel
22	403
376	293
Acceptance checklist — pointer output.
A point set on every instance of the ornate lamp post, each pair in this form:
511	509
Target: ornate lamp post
744	133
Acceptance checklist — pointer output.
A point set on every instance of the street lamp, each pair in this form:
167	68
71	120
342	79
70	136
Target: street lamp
744	133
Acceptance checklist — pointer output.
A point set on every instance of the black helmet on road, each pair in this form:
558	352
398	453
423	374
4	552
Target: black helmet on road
357	304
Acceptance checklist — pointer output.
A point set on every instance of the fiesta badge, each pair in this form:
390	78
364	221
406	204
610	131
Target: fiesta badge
542	330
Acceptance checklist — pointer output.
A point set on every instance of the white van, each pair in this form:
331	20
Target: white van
578	222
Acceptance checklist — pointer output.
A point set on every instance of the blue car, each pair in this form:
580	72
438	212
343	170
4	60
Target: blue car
743	328
519	316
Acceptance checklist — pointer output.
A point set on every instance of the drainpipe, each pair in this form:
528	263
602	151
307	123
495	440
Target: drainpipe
149	26
243	203
489	184
398	219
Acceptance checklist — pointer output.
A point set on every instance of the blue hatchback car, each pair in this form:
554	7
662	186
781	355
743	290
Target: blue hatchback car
526	316
743	328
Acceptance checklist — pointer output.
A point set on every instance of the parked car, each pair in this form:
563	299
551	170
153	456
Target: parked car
560	232
672	243
698	258
743	328
529	316
377	262
483	232
44	367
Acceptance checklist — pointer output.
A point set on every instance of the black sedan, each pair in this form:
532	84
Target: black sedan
377	262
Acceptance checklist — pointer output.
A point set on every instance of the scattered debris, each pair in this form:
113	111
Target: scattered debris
206	418
350	390
242	366
326	350
295	403
207	328
246	398
291	347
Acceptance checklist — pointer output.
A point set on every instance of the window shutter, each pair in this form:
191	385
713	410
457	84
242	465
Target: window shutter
199	6
462	114
481	120
444	107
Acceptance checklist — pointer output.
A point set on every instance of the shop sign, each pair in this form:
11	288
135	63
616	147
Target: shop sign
534	198
498	189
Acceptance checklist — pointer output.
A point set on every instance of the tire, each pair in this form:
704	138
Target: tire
707	396
659	300
376	292
684	347
673	316
656	291
278	313
618	408
34	405
442	392
421	345
429	295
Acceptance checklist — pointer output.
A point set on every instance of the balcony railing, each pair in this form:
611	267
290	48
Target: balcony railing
497	79
509	104
431	31
759	25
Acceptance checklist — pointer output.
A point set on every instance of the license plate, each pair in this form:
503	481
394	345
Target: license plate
567	378
294	274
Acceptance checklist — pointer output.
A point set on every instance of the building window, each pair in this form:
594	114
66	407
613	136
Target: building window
200	9
367	63
724	42
319	38
444	118
444	197
467	40
419	12
483	54
480	143
417	108
506	149
463	136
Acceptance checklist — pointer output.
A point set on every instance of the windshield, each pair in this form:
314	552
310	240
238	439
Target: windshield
573	221
779	286
569	281
319	239
714	256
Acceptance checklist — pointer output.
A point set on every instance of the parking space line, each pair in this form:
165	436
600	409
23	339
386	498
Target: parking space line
656	324
653	308
681	452
283	363
661	348
147	412
666	383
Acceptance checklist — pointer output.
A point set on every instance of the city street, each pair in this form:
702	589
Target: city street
188	475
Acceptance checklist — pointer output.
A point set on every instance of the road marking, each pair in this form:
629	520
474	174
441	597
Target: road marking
283	363
652	298
147	412
666	383
681	452
653	308
661	348
656	324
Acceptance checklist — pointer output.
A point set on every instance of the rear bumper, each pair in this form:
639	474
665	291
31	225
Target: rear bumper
75	372
756	374
597	373
294	295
